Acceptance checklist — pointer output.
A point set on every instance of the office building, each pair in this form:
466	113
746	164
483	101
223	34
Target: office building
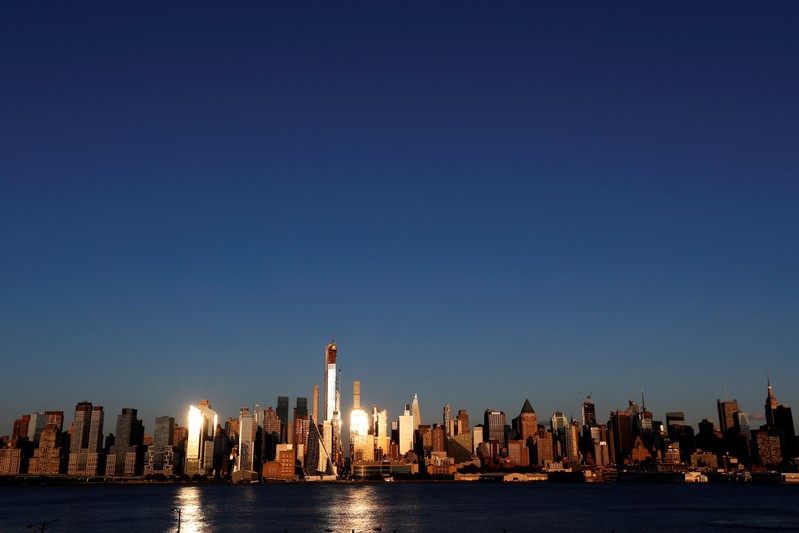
406	430
200	444
494	424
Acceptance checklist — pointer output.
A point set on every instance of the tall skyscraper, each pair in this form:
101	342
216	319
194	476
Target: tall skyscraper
283	415
246	445
331	353
727	409
80	427
779	421
494	423
589	412
127	453
200	444
447	417
406	430
37	423
417	417
86	458
771	404
463	422
526	424
361	442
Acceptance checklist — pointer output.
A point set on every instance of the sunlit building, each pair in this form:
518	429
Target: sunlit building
86	445
48	457
362	444
417	416
526	424
406	430
245	459
200	445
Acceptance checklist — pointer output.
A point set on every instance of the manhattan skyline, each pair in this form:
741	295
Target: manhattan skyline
482	205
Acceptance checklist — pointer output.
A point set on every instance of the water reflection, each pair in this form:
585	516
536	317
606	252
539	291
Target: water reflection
188	509
358	510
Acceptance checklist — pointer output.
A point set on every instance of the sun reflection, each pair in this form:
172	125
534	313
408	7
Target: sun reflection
360	510
188	510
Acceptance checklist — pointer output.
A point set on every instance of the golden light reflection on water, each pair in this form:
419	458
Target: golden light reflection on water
192	518
357	511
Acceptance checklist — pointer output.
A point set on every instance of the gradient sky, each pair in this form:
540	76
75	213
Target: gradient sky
483	203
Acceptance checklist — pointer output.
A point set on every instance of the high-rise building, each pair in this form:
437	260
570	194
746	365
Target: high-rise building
200	445
589	412
558	424
381	433
21	428
526	424
494	423
478	436
620	434
163	457
727	409
417	417
283	415
127	453
246	446
332	425
779	422
331	352
463	422
771	404
46	458
447	416
362	444
86	457
80	427
406	430
37	423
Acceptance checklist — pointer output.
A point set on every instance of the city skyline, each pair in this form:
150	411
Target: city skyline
481	204
725	408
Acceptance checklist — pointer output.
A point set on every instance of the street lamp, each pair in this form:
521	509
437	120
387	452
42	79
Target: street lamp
178	511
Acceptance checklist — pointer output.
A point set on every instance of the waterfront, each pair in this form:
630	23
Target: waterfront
402	507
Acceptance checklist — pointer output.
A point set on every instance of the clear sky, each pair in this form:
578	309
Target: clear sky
484	203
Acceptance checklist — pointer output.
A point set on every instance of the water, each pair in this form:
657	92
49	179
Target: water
403	507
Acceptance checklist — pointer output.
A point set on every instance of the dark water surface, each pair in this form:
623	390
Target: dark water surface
619	507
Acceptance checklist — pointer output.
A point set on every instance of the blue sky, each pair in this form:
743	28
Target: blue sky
483	203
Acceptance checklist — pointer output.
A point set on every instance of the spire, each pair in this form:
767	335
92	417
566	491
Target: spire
771	401
527	408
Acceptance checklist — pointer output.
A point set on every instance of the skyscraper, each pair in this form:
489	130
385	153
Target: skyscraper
589	412
283	415
127	453
200	444
85	457
361	442
331	353
494	423
727	409
406	430
526	424
417	417
80	427
246	445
